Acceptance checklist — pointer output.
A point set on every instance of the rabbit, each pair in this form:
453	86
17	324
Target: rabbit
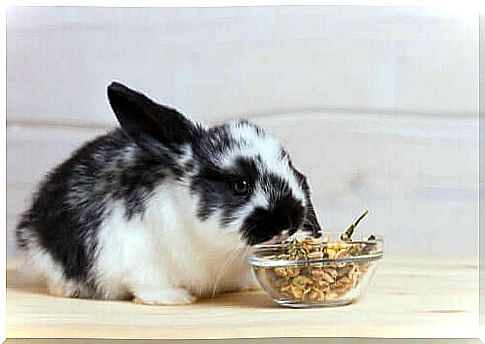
162	210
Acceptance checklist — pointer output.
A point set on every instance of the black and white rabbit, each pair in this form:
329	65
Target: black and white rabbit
163	210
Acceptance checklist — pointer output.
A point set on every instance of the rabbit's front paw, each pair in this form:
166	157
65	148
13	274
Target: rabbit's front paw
246	286
175	296
252	286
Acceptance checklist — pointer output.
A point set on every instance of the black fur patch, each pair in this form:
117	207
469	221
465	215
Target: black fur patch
214	187
137	182
76	197
285	212
263	224
152	126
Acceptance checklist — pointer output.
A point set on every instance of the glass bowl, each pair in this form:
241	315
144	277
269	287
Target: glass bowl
337	277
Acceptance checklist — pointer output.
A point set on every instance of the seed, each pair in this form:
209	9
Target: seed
341	290
285	288
315	255
297	292
281	272
317	272
322	281
345	280
293	272
326	277
323	285
342	254
301	281
332	272
313	295
321	297
345	270
306	291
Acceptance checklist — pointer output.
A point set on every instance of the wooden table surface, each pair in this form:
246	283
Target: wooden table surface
409	297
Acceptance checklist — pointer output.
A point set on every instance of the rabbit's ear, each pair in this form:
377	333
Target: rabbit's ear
152	126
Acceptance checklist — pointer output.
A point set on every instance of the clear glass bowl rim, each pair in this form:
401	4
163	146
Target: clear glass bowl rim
262	262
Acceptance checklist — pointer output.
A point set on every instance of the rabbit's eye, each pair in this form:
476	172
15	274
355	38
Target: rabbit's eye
240	187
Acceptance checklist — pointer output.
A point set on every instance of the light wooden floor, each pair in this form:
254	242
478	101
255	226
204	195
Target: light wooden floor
409	297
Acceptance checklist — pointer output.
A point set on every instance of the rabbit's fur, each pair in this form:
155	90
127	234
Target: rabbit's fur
164	209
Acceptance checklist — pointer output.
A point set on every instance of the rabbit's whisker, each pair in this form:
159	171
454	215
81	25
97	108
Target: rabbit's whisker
222	271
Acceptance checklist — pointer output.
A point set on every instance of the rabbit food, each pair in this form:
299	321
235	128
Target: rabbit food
330	272
319	281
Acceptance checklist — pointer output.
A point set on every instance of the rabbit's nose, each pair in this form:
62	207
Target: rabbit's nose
289	213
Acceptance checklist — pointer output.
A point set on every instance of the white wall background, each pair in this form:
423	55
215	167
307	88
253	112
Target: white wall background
379	106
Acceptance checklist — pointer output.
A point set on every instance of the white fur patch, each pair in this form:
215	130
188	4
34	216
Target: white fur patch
266	147
168	248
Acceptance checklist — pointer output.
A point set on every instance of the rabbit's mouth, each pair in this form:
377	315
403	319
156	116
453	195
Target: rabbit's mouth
278	238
